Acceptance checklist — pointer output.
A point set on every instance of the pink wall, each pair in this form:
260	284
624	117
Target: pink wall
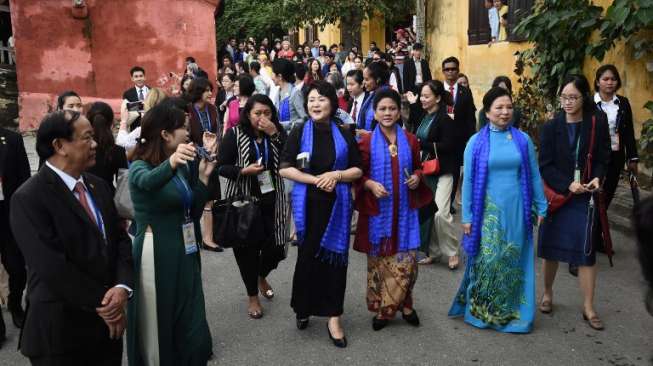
56	52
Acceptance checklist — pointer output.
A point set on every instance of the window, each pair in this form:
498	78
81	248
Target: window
479	24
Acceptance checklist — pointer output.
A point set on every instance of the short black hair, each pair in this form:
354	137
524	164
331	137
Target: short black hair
451	59
197	88
61	99
502	79
379	72
418	46
492	95
190	59
246	85
136	69
56	125
326	90
300	70
386	93
357	75
255	66
601	70
285	68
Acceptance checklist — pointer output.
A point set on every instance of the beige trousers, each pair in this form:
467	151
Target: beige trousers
147	314
443	237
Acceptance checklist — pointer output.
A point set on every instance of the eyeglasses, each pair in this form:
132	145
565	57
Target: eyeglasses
450	69
570	98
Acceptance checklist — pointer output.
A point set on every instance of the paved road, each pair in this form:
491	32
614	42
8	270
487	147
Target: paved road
558	339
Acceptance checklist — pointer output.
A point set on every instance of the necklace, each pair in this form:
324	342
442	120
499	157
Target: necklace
393	149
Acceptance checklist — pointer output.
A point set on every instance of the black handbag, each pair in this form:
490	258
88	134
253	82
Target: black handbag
237	221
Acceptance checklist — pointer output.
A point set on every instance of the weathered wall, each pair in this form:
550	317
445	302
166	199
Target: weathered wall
92	56
371	30
447	23
8	97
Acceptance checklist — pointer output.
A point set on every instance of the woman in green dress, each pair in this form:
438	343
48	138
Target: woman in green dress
166	319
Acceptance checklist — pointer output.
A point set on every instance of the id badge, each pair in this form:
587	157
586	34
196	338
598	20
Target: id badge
577	175
190	244
265	182
451	115
2	195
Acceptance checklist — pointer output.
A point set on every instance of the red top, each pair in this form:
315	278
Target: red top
367	204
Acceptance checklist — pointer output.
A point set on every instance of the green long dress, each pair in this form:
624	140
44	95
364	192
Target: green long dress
183	333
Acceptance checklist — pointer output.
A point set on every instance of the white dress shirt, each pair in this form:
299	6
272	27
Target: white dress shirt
419	77
358	102
145	90
611	109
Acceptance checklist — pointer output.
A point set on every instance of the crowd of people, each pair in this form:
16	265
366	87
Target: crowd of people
315	139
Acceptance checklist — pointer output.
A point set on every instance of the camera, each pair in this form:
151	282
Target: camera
303	161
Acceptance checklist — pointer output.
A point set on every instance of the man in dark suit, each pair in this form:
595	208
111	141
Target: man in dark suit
79	262
416	70
463	111
14	170
133	98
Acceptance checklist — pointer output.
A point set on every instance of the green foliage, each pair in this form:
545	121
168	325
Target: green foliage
628	20
646	139
245	18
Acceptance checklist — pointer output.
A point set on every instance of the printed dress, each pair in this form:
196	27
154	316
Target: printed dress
498	289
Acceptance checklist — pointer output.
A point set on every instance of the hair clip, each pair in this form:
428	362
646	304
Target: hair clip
143	141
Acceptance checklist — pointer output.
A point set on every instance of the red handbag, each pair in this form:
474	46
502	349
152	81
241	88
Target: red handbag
556	200
432	166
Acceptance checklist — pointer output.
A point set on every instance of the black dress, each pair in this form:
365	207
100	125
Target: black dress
318	287
108	163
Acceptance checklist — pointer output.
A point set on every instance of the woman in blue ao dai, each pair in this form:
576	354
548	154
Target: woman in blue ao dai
501	189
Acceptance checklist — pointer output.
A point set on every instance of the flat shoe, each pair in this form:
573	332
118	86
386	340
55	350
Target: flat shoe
594	322
217	249
454	267
302	323
546	307
378	324
268	294
425	260
411	318
340	343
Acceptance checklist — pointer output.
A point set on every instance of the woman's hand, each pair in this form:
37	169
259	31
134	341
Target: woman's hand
377	189
467	229
253	169
326	181
183	154
577	188
413	181
267	126
411	97
593	185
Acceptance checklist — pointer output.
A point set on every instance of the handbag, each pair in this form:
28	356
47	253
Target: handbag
556	200
432	166
123	199
237	221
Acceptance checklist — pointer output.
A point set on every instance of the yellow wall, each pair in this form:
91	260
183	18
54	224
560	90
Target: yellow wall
446	35
371	30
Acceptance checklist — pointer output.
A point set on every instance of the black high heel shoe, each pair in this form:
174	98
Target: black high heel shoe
340	343
302	323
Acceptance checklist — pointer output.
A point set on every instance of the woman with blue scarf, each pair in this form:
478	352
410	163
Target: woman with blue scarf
387	199
322	159
375	78
502	195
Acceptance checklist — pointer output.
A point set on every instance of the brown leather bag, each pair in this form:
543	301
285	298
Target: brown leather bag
556	200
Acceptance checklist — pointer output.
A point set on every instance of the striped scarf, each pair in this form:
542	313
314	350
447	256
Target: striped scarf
243	184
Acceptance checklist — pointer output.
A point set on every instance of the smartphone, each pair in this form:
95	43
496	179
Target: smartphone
259	161
135	106
406	173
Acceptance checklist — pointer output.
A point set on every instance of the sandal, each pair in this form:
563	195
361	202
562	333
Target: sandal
546	307
455	264
268	294
594	322
425	260
256	314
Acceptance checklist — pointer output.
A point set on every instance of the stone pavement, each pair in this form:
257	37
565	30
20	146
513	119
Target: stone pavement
558	339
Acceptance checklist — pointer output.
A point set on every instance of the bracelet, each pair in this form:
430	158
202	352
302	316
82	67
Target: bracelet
339	176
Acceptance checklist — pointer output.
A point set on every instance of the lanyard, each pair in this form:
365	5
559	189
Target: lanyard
265	151
201	116
98	216
577	145
186	194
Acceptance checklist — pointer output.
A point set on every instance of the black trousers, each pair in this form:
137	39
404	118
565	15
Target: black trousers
109	355
259	259
617	161
456	179
14	263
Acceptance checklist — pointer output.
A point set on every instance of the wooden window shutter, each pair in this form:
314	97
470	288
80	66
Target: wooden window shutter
517	10
479	25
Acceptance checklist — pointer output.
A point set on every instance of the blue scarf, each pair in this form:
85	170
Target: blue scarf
334	246
366	114
380	226
480	158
